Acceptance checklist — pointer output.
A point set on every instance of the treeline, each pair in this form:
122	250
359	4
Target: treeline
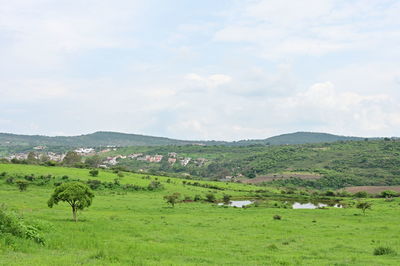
26	180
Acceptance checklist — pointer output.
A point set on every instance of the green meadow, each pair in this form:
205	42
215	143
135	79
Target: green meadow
126	227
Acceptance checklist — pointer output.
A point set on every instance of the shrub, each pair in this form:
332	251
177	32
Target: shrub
30	177
154	185
94	172
10	180
210	197
120	174
64	177
172	199
389	194
12	224
361	194
226	199
132	187
22	185
277	217
3	174
383	251
94	184
364	206
197	198
330	193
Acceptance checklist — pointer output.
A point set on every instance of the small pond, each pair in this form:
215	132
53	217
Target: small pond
238	203
294	205
309	205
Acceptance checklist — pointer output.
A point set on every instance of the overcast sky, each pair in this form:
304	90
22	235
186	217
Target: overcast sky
204	69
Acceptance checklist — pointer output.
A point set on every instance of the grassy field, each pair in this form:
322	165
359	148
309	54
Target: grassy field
139	228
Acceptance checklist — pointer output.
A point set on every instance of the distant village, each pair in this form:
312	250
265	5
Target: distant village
171	158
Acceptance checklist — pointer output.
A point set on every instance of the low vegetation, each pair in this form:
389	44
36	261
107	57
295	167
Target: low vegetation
127	223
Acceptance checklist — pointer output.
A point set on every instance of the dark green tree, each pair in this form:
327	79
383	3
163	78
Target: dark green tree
93	161
76	194
71	158
94	172
226	199
31	159
210	197
22	185
389	194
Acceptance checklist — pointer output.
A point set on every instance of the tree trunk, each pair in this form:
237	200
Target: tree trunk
74	214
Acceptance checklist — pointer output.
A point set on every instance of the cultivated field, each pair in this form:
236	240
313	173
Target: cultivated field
372	189
281	176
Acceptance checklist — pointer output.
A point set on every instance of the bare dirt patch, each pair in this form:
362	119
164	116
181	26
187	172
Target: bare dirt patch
272	177
372	189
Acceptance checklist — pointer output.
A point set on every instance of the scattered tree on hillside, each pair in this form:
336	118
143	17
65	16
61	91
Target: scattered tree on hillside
172	199
22	185
76	194
44	158
389	194
226	199
94	172
32	158
210	197
363	205
93	161
71	158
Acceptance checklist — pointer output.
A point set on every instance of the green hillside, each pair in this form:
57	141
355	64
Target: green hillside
92	140
338	164
101	139
130	224
304	137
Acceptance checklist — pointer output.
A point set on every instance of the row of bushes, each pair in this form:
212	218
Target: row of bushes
340	193
22	181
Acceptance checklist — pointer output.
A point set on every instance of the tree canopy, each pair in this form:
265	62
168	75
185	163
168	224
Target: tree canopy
76	194
72	158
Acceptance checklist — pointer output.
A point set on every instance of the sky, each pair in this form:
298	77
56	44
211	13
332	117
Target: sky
188	69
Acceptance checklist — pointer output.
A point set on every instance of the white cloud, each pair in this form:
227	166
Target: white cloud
32	90
277	29
342	112
139	67
211	81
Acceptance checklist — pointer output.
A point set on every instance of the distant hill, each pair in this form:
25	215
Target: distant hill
103	138
299	138
92	140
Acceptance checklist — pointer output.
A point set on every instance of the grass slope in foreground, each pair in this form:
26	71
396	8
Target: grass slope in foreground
138	228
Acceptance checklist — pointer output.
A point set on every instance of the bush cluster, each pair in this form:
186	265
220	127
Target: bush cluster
11	224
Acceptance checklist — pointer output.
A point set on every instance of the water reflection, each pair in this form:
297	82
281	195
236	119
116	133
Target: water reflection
309	205
238	203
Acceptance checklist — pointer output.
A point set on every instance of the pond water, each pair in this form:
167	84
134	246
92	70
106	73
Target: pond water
238	203
309	205
295	205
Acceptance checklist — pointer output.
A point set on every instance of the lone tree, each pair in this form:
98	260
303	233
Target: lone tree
76	194
364	206
172	199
